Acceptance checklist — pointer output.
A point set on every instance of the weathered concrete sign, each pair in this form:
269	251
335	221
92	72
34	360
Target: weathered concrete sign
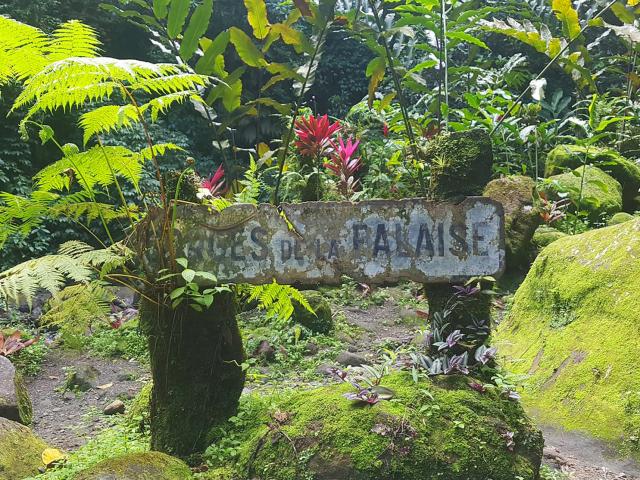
376	241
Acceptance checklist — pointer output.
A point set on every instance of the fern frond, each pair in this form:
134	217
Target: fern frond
75	261
22	50
162	104
91	168
108	118
251	185
73	39
277	299
77	307
160	149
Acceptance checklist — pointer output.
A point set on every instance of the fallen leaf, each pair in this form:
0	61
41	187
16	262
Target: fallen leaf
51	456
105	386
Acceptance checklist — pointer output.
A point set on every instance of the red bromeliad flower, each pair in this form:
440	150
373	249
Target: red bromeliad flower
212	186
314	135
343	165
385	130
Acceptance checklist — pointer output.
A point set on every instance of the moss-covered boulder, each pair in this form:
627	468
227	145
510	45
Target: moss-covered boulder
573	329
138	466
619	218
321	320
521	217
546	235
570	157
601	193
20	451
442	429
139	410
15	403
461	163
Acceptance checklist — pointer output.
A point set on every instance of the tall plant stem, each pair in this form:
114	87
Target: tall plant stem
444	60
296	110
401	98
550	64
89	191
117	184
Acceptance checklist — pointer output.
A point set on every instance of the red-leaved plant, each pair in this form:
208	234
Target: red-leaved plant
14	343
315	135
343	165
213	186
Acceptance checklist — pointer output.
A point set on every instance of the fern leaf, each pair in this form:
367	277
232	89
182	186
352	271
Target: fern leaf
106	119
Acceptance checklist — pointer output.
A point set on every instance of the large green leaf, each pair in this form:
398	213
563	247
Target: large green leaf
161	8
257	17
246	49
207	63
568	16
198	25
375	70
177	17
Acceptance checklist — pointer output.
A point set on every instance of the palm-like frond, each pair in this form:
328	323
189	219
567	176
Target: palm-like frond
277	299
75	261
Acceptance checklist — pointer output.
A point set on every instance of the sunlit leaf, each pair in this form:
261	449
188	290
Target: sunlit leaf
246	49
257	17
177	17
197	27
568	16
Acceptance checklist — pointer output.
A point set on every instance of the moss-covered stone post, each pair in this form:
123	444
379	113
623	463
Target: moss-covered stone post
197	376
461	166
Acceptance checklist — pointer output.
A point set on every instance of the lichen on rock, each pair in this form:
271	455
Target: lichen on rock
434	430
20	451
595	192
138	466
573	328
516	193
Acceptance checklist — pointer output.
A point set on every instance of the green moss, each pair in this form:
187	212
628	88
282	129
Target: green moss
521	218
601	193
138	466
546	235
321	321
461	163
440	429
25	408
569	157
572	328
20	451
138	412
619	218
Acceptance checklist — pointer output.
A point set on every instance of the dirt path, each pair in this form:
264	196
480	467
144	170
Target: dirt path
67	420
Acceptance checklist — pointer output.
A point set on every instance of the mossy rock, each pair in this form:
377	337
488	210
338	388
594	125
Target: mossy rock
619	218
546	235
601	193
138	466
461	163
321	321
322	435
20	451
521	217
570	157
15	403
573	330
140	409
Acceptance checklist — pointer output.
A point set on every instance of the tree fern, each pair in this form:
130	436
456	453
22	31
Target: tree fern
95	167
277	300
75	261
77	307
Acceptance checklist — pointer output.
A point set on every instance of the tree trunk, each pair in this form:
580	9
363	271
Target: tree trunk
197	378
